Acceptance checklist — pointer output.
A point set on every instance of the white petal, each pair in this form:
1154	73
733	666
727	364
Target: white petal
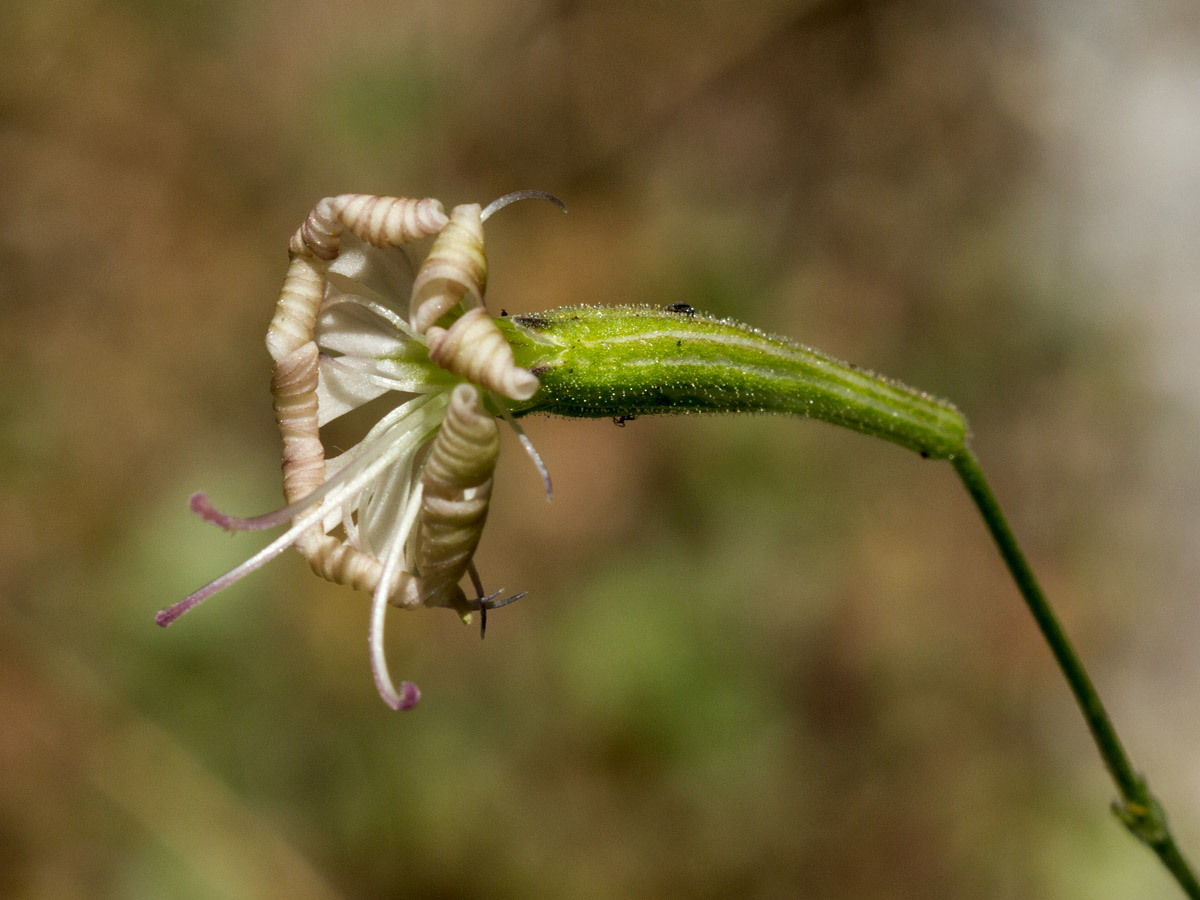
385	501
412	376
383	506
340	390
398	434
345	326
389	272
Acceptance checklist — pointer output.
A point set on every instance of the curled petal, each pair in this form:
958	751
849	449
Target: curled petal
391	221
455	268
339	562
296	310
294	388
456	487
380	221
381	500
464	453
475	349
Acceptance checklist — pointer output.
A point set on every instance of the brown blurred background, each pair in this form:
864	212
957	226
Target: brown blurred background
760	658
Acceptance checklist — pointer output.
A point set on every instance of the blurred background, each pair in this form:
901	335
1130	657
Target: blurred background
759	658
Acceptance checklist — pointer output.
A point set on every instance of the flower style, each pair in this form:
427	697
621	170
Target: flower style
400	513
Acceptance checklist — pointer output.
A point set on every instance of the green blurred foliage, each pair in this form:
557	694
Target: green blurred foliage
759	658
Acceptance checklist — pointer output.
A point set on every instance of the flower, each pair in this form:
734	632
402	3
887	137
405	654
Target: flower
401	512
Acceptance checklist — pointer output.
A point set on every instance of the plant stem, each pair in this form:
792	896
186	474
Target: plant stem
1138	809
644	360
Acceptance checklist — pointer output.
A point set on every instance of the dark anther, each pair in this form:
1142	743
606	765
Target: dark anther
483	604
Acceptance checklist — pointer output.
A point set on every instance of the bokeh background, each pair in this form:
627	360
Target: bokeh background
759	658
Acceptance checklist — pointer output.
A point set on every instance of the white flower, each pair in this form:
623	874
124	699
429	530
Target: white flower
387	515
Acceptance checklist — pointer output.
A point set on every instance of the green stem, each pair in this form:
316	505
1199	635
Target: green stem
1138	809
630	361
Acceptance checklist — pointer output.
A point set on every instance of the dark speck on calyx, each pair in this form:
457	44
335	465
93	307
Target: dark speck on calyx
682	308
531	320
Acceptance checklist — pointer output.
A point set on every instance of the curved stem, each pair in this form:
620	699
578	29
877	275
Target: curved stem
644	360
1138	809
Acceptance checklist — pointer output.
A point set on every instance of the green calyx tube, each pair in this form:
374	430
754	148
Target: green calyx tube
612	361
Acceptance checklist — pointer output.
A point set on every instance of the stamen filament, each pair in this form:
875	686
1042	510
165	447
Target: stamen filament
500	202
166	616
202	506
347	488
409	694
357	298
530	450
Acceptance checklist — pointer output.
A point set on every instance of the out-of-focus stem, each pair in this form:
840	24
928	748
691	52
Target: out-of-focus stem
1138	809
